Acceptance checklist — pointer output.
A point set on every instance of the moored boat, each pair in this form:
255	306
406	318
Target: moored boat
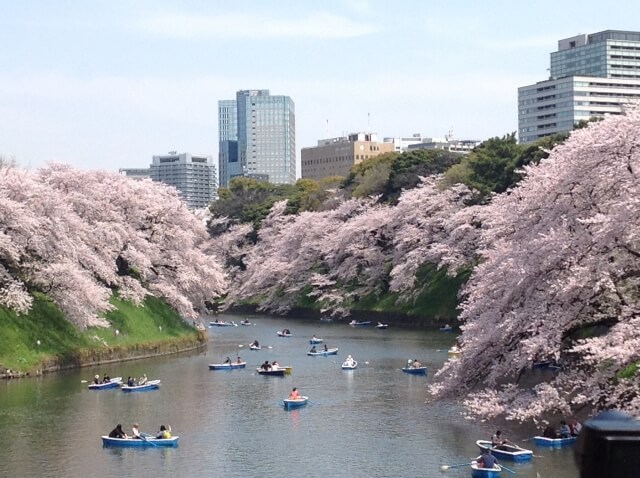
415	370
553	442
295	403
506	452
227	366
333	351
150	385
113	383
137	442
478	472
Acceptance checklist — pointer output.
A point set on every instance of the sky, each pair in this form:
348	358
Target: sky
108	84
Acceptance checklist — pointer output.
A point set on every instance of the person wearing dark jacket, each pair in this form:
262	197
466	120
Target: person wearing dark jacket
117	432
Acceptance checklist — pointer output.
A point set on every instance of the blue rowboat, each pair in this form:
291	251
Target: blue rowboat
315	341
113	383
506	452
333	351
477	472
553	442
290	404
415	370
227	366
140	443
150	385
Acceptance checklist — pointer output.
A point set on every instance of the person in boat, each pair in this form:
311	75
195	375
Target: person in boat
416	364
549	432
575	426
227	361
96	379
564	431
239	359
135	431
142	380
275	365
349	359
486	460
118	432
106	378
286	331
294	395
163	434
266	365
255	344
326	349
313	350
499	442
131	382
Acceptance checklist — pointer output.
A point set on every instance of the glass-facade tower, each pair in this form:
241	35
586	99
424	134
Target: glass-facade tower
265	137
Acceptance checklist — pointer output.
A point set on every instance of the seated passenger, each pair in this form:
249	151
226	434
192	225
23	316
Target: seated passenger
117	432
163	433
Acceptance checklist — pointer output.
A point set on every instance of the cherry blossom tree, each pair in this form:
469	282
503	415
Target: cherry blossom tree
78	235
558	281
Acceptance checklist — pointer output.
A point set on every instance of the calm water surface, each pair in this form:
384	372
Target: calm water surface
369	422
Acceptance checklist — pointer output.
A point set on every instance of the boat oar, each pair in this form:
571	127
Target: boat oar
144	437
446	467
508	469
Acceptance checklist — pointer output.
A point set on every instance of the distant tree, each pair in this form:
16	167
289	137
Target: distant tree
410	166
558	281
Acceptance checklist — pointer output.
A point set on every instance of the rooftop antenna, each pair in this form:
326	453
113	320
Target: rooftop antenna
368	122
327	132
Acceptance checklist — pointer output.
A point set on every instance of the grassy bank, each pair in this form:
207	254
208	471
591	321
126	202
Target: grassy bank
43	337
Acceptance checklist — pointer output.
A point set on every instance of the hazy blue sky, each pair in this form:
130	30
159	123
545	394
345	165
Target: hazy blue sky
108	84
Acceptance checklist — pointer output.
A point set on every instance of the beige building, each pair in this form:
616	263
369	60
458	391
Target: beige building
336	156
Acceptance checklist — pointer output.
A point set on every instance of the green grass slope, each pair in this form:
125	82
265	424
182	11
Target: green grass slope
44	336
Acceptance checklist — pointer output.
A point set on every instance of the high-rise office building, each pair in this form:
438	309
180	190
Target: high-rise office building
590	76
336	156
193	176
257	137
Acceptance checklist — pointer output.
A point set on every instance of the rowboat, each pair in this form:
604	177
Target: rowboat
137	442
245	322
381	325
113	383
506	452
355	323
150	385
217	323
315	341
278	372
254	347
477	472
227	366
349	364
454	351
333	351
415	370
446	328
295	403
284	333
553	442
